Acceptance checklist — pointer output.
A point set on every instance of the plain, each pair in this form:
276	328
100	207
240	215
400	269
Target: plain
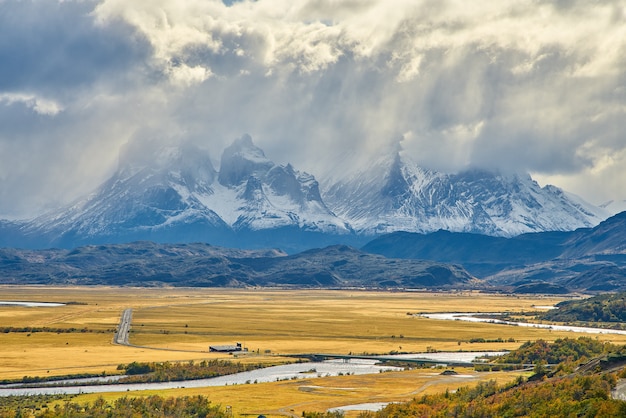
179	324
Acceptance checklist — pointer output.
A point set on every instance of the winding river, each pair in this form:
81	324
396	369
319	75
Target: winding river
269	374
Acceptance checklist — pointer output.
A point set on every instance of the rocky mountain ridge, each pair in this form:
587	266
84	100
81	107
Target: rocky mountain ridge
176	195
398	195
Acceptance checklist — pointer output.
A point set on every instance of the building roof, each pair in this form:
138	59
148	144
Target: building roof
225	348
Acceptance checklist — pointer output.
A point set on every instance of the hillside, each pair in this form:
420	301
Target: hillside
562	391
151	264
610	308
481	254
587	259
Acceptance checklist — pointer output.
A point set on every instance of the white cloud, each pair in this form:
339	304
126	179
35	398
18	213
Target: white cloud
187	76
39	105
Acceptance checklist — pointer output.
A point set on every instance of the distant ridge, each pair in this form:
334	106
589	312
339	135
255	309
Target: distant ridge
588	259
151	264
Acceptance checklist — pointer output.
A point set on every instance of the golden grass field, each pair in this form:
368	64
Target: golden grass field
186	321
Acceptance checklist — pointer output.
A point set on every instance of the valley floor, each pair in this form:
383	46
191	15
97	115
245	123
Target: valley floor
179	324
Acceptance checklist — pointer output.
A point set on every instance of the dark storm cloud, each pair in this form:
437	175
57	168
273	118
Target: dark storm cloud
50	46
523	86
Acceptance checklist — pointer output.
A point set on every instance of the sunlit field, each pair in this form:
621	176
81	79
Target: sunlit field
294	396
180	324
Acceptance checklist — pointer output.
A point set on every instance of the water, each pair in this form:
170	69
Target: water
31	304
471	318
451	357
371	406
269	374
78	381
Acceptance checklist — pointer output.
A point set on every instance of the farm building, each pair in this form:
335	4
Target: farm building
226	348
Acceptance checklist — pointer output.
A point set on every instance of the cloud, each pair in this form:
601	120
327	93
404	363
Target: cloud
534	86
40	105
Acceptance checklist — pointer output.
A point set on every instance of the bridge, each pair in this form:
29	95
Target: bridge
415	360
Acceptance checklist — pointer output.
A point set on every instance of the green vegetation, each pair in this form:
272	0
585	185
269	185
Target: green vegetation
336	414
564	353
609	308
139	372
584	394
40	379
581	396
563	350
172	372
150	406
487	340
15	406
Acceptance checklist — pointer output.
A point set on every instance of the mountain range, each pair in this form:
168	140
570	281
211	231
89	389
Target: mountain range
395	194
176	195
584	260
587	260
478	229
202	265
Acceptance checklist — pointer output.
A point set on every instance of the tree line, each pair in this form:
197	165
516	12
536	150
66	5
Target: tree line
146	406
139	372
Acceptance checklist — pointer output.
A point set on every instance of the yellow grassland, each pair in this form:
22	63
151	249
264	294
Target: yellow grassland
276	399
184	322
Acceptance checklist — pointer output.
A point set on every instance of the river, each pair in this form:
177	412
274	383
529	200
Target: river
268	374
471	317
30	304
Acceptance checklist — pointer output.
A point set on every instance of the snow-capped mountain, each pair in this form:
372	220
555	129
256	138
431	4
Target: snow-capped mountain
176	195
152	198
394	194
253	193
614	206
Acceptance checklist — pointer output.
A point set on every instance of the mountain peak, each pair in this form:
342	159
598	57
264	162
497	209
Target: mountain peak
396	186
184	157
241	160
175	194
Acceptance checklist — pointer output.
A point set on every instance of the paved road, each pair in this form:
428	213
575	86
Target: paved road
121	336
123	331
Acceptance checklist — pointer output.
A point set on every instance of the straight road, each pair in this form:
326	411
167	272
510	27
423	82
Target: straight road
121	336
123	331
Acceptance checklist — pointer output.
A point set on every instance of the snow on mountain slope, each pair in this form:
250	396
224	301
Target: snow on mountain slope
139	201
263	195
614	206
177	195
395	194
174	194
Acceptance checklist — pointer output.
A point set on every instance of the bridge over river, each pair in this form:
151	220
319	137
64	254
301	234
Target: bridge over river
404	359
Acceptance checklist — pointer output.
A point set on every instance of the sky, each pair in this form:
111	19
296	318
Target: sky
526	86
